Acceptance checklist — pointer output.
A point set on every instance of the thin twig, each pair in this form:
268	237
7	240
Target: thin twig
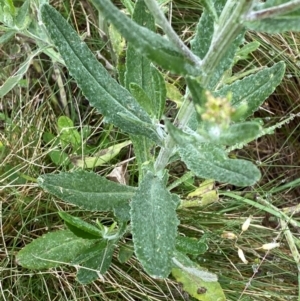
171	34
272	12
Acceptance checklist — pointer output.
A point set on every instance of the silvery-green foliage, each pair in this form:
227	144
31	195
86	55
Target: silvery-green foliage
137	109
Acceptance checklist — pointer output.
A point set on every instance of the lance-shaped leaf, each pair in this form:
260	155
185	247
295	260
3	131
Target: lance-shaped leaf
13	80
150	44
198	282
139	81
100	158
209	161
79	227
138	67
87	190
52	249
94	261
102	91
276	24
160	92
254	89
154	226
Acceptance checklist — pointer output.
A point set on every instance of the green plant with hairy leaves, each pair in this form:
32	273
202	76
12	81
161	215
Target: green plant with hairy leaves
213	119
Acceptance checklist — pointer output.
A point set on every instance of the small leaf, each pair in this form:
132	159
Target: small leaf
160	92
80	227
94	262
205	29
202	196
102	91
87	190
253	89
174	94
139	80
22	19
68	134
52	249
138	67
142	149
59	157
117	41
13	80
64	122
100	158
150	44
198	282
244	52
190	245
154	226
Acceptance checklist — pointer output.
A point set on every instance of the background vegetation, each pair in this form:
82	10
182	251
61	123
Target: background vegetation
32	143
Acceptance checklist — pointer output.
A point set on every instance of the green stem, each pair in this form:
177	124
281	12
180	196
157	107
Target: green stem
227	11
171	34
180	121
224	37
272	12
221	42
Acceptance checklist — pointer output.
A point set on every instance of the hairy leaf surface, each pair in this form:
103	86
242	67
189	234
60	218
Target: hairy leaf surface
210	161
102	91
94	262
154	225
198	282
52	250
254	89
87	190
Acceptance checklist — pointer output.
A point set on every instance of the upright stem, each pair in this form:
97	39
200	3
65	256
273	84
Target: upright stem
180	121
169	31
224	37
226	12
221	42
